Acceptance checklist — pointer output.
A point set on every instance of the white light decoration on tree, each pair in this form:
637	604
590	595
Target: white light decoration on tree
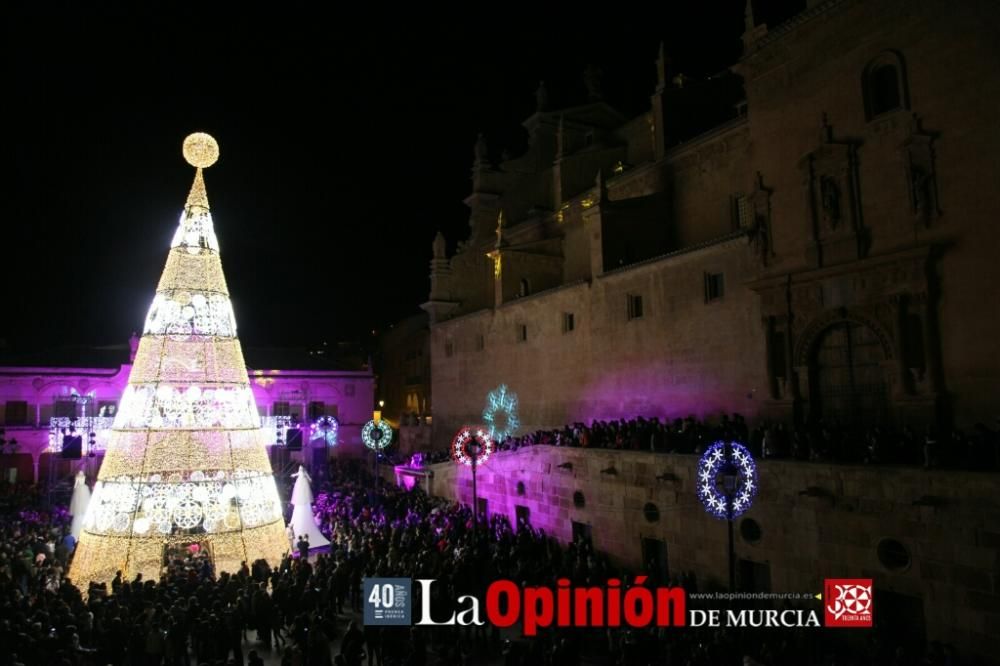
186	458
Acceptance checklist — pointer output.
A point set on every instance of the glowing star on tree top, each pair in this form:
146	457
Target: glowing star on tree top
186	459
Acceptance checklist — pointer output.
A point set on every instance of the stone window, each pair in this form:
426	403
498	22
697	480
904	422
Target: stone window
280	409
893	554
316	410
742	213
480	342
520	488
65	409
651	512
16	412
523	288
522	333
884	85
579	501
714	286
449	348
750	530
634	306
568	322
778	362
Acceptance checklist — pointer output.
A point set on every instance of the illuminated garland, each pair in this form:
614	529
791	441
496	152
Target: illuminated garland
472	444
713	465
325	428
186	457
376	435
500	415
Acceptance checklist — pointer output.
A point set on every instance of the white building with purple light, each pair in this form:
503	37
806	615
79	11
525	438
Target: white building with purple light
74	392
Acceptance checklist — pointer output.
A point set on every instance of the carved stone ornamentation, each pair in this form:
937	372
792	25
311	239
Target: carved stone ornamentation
759	201
830	182
920	173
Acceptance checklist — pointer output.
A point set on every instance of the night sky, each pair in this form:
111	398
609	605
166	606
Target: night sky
346	143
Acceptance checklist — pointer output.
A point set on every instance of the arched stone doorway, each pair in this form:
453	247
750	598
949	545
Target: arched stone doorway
847	382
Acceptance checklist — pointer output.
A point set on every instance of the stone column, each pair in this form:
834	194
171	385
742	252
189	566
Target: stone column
931	369
902	385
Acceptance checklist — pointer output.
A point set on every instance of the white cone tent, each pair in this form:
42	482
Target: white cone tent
303	523
78	503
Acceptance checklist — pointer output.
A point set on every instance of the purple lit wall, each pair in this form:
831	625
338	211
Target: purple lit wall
86	391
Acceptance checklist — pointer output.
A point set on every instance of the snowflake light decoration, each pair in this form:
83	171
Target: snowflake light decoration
500	415
472	445
727	503
325	428
376	435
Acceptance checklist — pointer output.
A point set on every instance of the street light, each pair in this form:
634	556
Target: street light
727	483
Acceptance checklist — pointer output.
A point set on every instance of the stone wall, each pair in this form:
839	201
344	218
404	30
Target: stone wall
816	521
683	356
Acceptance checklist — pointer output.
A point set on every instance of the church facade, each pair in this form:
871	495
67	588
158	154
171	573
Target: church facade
806	237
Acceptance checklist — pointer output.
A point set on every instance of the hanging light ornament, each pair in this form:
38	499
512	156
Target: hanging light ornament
727	480
376	435
472	445
326	428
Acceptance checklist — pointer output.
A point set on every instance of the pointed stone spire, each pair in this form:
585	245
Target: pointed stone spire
500	227
439	246
560	139
751	31
661	69
541	97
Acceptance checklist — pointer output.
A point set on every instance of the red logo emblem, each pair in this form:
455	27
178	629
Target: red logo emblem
847	602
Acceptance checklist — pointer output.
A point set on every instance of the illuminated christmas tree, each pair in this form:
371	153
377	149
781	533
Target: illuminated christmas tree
186	460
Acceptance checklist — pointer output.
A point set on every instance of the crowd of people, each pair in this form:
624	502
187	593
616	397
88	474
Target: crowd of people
822	442
306	611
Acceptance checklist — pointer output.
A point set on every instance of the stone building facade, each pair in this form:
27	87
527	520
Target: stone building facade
403	368
41	394
808	236
928	539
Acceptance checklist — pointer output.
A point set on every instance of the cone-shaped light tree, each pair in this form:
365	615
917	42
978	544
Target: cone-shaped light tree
186	461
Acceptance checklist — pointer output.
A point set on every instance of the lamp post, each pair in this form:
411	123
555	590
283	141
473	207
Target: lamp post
472	447
727	483
475	450
729	479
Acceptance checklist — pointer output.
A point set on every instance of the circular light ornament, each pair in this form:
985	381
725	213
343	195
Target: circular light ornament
325	428
141	525
472	445
500	415
376	435
727	480
187	514
201	150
